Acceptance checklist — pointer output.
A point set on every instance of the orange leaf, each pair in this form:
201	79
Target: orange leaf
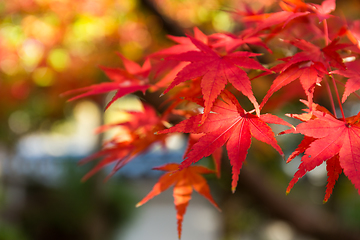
185	181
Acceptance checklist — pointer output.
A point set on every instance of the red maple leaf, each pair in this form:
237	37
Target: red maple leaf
125	81
161	66
184	45
185	181
332	140
326	55
309	73
309	66
228	123
216	71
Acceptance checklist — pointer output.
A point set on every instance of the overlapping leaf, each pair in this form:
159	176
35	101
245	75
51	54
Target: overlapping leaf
140	137
293	9
229	124
309	66
216	155
172	67
309	74
231	42
216	71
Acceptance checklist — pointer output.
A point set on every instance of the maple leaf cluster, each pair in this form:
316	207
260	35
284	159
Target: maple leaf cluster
203	76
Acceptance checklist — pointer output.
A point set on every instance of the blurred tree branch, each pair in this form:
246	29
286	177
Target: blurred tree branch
169	25
306	218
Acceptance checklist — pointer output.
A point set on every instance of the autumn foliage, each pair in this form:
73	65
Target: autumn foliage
202	77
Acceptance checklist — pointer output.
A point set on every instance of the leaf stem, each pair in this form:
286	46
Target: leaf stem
326	31
331	98
343	84
338	97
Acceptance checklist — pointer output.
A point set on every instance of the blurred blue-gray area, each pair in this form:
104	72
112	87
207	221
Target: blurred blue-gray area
33	160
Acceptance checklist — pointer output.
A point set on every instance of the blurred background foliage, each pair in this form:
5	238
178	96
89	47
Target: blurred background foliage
48	47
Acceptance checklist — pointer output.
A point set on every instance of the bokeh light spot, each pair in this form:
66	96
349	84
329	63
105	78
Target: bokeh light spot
12	35
43	77
222	22
59	59
19	122
132	50
9	66
31	53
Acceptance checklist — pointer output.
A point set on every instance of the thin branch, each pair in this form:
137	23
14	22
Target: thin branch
326	31
331	98
343	84
169	25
